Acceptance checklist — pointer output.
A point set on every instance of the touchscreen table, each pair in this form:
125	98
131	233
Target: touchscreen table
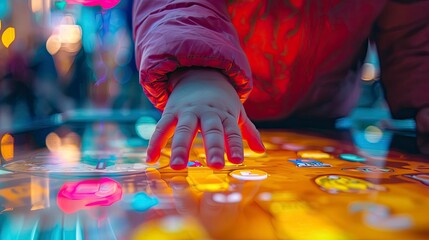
90	181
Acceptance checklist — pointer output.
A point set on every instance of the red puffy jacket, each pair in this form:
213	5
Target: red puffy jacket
302	55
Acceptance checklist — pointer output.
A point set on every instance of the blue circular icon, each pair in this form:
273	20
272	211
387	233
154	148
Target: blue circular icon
352	158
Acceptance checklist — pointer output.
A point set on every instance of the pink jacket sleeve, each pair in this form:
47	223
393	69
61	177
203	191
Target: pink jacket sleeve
171	34
403	43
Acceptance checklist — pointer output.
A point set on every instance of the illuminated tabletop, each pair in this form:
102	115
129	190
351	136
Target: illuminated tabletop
90	181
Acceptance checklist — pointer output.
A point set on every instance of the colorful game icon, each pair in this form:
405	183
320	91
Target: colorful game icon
251	175
195	163
337	184
352	157
310	163
423	178
369	169
143	202
76	196
316	154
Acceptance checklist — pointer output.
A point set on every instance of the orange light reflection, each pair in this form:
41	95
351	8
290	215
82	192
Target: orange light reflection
8	36
53	142
36	5
7	147
66	148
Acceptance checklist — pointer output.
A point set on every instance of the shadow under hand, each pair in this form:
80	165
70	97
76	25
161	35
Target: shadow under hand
218	211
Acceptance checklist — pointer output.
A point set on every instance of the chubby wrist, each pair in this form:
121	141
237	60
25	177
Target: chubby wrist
196	74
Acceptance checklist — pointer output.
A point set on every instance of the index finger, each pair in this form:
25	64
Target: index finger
163	132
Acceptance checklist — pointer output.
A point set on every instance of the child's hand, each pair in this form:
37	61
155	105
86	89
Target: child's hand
203	99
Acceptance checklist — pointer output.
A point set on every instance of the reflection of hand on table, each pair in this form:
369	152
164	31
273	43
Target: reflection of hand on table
203	100
218	211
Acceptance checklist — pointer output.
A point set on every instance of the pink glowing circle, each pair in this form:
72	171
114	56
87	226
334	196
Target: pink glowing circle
75	196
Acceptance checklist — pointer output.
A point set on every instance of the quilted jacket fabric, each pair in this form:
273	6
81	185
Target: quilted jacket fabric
301	57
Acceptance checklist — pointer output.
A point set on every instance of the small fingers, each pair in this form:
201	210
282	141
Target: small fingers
182	140
233	141
213	137
251	134
163	132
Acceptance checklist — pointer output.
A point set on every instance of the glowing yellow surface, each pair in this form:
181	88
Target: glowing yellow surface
174	228
207	183
292	203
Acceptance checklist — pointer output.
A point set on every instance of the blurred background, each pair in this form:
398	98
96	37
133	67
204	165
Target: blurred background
60	56
75	58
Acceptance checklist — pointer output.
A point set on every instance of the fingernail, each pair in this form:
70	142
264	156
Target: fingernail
217	163
263	146
178	163
236	158
151	160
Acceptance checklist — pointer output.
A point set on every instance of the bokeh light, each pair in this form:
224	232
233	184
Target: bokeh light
373	134
36	5
145	127
72	138
4	8
61	5
70	148
67	37
70	33
53	142
8	36
369	72
67	148
7	147
53	44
